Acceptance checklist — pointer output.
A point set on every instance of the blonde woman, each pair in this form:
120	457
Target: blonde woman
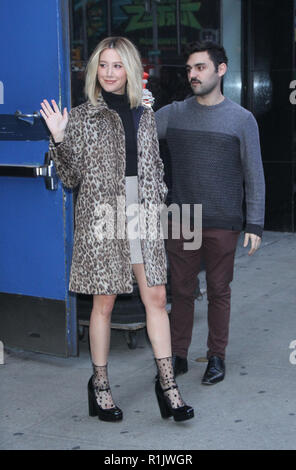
108	146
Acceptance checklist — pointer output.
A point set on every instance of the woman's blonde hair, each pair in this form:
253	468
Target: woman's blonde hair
131	61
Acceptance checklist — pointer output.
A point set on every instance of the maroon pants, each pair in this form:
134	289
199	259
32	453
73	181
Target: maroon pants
217	251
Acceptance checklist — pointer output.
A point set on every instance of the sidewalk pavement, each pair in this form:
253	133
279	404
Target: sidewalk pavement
43	399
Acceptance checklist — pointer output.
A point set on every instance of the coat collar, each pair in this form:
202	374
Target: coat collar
102	105
92	109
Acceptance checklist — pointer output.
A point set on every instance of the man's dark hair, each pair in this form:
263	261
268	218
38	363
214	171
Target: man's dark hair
216	52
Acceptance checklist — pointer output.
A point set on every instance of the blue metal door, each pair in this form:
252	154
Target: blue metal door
36	228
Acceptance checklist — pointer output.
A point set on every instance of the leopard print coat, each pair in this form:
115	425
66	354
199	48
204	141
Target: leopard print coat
92	155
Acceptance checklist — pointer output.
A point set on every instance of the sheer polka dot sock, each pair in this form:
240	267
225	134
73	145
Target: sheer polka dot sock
102	388
168	383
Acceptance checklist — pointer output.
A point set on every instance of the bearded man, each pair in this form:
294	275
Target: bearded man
216	162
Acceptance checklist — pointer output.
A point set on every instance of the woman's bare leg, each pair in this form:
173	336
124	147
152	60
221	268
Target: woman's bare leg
158	328
157	320
99	337
99	328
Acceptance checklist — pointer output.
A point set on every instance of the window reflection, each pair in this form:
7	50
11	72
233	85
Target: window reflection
157	28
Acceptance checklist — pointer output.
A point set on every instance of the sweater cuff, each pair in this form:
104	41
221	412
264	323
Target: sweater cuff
253	228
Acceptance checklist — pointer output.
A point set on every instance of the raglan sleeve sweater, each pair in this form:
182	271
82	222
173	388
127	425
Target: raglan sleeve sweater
254	182
216	162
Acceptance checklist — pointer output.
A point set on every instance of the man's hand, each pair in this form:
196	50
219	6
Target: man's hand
255	242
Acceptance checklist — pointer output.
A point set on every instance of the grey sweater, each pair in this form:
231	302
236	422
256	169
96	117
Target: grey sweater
215	161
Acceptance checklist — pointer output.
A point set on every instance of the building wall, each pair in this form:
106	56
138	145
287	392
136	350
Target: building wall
259	37
269	68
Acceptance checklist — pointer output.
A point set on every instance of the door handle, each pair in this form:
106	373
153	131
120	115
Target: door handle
29	118
31	171
19	114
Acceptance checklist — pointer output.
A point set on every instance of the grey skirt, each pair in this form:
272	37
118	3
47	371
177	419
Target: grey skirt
132	214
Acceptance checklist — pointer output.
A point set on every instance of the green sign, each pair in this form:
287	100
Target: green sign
166	15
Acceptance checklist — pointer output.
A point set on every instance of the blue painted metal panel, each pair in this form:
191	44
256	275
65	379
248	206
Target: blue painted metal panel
36	227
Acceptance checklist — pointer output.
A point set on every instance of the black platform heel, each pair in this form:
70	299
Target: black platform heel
108	414
167	393
182	413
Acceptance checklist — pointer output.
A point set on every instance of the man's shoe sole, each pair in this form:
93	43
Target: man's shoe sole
213	382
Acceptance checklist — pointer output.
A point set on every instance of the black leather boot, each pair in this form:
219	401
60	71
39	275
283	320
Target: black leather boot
215	371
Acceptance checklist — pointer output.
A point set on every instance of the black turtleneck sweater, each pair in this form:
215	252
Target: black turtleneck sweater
120	104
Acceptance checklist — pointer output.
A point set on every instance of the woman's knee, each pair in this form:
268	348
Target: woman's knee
155	297
103	305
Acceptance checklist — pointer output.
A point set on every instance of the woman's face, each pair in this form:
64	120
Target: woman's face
111	72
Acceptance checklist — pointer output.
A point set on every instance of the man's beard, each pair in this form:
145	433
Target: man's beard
203	90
